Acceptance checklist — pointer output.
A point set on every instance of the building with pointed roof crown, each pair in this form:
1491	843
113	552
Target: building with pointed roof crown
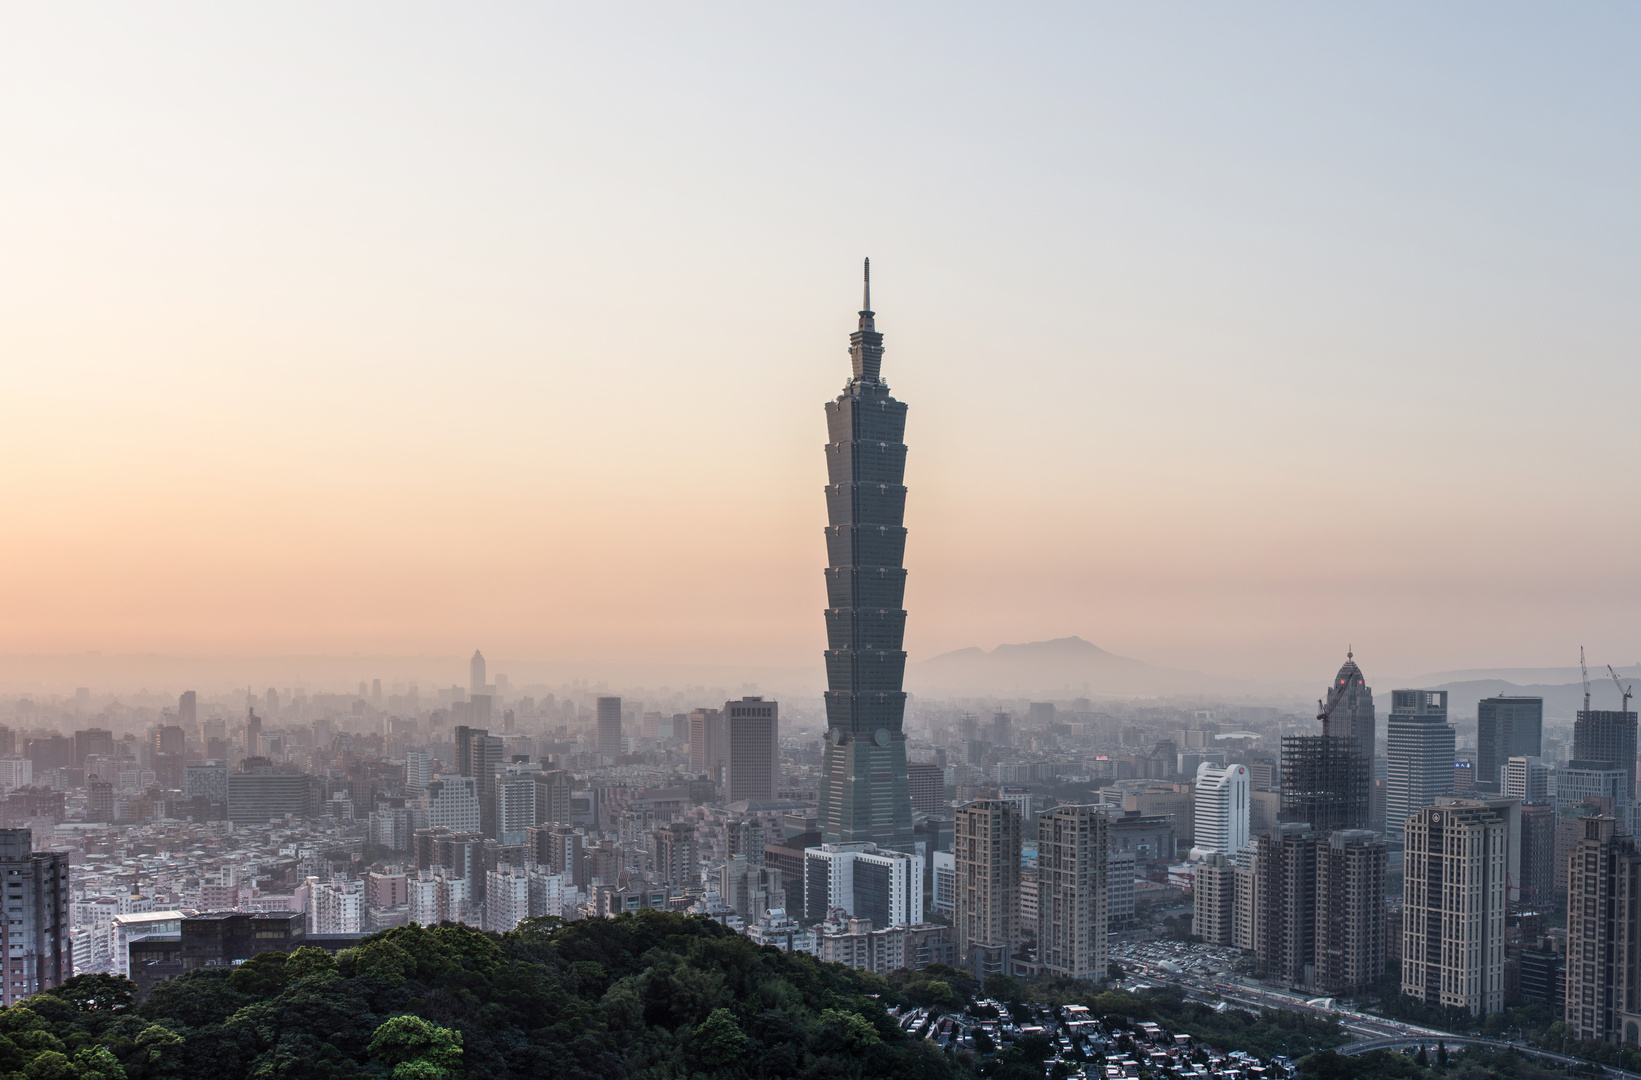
1327	778
864	791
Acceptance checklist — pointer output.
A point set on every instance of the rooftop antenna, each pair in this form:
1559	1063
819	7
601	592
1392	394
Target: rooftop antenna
866	291
1586	673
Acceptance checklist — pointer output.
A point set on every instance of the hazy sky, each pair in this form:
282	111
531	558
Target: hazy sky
1231	334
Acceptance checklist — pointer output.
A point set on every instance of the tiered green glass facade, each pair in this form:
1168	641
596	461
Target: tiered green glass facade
864	793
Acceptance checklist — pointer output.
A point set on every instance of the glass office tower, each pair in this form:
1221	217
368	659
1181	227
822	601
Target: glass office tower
864	793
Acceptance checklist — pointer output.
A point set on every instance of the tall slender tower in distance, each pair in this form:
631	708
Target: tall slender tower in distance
609	725
864	792
475	674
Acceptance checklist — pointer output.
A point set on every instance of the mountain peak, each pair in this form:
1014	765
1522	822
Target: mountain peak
1058	647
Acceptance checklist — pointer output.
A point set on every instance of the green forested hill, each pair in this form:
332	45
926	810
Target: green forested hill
652	995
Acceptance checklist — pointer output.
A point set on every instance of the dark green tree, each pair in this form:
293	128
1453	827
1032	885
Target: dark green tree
1005	988
718	1040
97	993
413	1049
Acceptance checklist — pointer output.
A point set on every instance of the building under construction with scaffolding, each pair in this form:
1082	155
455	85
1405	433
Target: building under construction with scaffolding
1324	782
1326	778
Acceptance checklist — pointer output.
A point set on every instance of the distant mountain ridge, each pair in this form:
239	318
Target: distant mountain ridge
1548	676
1561	688
1062	667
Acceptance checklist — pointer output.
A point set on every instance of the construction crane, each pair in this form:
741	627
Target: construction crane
1625	692
1586	673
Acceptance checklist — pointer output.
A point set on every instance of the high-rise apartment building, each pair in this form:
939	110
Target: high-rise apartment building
515	797
1606	736
35	934
1603	987
15	772
336	907
1453	905
170	752
93	742
548	892
986	853
1527	779
479	755
752	766
1419	746
253	734
553	791
708	742
213	736
506	898
1327	778
864	795
560	848
1073	850
1222	811
476	679
1284	913
609	726
675	855
453	802
1535	887
438	895
418	771
1506	727
1246	906
99	799
1119	887
1214	900
944	878
1350	911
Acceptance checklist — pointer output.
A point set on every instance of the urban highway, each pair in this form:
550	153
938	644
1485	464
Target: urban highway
1372	1032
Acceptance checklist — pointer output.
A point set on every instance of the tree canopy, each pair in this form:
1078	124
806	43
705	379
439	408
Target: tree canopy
648	995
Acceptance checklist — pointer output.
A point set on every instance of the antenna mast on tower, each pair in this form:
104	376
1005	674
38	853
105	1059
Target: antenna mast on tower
1586	673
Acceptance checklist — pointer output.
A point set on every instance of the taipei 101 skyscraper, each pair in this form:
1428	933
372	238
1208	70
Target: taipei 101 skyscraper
864	794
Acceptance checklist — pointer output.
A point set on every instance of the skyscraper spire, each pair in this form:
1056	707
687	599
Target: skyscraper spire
866	344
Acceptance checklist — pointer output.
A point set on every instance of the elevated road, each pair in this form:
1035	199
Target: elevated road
1404	1043
1371	1032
